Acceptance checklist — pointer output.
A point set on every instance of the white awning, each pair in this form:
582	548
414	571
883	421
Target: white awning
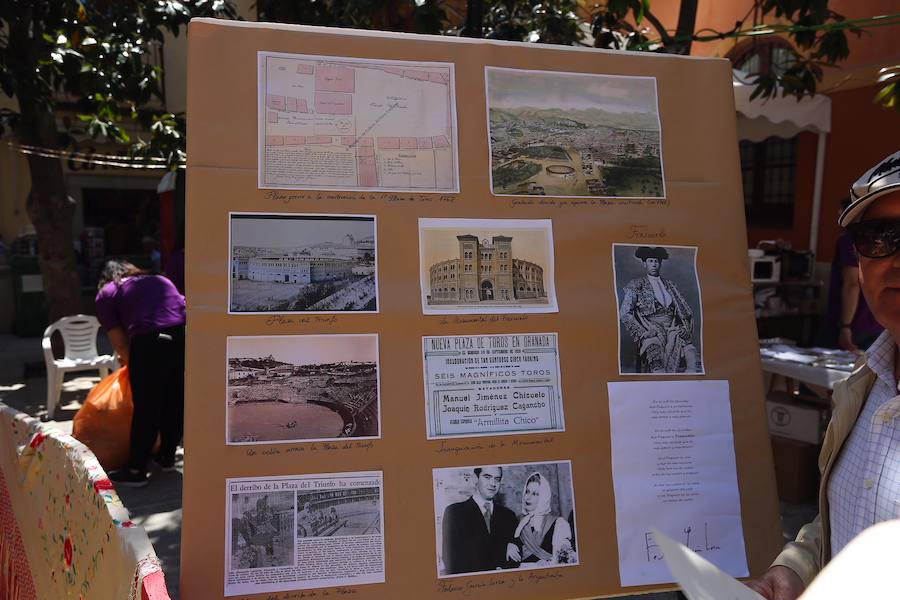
784	117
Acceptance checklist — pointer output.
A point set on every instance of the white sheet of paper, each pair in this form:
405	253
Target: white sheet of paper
699	578
865	568
674	469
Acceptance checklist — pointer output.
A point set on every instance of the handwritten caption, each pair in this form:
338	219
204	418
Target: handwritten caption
313	447
303	594
511	581
409	199
456	448
588	202
445	320
283	321
645	232
699	544
389	198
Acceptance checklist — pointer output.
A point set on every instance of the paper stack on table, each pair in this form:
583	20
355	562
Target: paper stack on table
820	357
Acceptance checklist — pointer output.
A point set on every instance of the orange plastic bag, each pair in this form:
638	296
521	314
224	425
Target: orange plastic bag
103	423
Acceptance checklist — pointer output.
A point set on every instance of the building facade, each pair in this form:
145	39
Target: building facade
485	272
297	269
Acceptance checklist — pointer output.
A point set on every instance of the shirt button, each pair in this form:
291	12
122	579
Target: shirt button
886	418
868	483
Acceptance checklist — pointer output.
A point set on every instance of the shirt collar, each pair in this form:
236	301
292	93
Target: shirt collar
480	500
880	358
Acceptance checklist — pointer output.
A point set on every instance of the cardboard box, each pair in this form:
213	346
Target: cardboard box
795	420
796	470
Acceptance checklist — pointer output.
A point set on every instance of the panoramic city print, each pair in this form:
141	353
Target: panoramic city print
302	263
573	134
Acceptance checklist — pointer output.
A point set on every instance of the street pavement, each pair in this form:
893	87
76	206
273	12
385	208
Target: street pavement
156	507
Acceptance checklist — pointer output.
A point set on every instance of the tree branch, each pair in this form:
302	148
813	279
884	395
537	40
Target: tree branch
657	24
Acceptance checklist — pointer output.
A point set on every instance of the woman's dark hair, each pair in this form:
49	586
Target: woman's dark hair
117	270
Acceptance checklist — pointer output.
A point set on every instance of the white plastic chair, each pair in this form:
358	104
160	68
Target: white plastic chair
79	335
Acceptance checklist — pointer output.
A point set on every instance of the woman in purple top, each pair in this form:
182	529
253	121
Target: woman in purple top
848	322
144	318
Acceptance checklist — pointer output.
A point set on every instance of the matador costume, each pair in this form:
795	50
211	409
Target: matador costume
664	334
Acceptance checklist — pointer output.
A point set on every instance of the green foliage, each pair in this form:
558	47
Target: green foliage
100	57
820	36
97	58
419	16
617	24
546	22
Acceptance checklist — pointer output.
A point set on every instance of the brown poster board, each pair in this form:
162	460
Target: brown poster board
341	273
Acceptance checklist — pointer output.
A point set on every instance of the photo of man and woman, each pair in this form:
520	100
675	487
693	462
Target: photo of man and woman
493	517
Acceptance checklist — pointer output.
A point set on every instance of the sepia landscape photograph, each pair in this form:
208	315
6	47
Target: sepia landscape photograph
573	134
292	263
302	388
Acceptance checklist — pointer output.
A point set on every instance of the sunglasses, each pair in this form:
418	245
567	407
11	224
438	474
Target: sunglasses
876	238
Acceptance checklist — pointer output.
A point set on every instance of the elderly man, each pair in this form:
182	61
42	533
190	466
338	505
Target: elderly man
860	458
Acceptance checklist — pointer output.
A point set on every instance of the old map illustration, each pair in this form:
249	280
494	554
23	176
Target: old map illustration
573	134
356	124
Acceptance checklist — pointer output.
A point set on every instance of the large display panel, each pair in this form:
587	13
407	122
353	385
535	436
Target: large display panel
438	289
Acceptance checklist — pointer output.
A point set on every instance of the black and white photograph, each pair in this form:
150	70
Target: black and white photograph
504	517
334	513
262	530
302	263
659	309
293	388
298	532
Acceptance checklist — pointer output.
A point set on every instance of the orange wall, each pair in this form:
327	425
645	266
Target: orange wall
862	133
877	47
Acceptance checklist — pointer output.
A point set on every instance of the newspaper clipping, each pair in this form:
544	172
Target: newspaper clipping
303	532
492	384
513	516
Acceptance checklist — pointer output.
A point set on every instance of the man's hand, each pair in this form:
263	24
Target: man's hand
512	553
778	583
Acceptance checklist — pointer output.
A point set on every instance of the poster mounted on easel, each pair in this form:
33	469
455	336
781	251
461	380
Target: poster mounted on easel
399	271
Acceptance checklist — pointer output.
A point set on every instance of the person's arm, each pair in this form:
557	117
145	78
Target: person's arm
562	537
447	534
794	568
513	554
849	304
119	340
778	583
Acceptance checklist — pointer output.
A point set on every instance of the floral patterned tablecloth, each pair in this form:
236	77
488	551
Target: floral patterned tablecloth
64	532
